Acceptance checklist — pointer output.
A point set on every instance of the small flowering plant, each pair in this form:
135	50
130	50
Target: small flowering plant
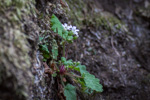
63	67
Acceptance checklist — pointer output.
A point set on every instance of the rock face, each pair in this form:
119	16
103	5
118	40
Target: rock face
113	43
15	73
115	46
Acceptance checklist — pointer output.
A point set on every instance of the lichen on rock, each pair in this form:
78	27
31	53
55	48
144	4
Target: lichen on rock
15	64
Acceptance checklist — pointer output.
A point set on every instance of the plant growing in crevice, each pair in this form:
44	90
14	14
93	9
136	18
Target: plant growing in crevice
64	68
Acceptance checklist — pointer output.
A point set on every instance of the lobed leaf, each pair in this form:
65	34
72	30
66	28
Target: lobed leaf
81	69
70	92
56	25
92	82
45	51
44	48
63	59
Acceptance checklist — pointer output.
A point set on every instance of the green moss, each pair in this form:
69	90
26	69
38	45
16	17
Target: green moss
75	13
14	58
88	17
18	6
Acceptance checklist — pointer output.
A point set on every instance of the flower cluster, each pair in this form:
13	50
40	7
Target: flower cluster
71	28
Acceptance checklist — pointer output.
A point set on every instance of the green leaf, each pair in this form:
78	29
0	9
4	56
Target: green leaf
69	38
89	80
46	55
89	91
44	60
54	50
70	33
66	63
81	81
44	48
70	66
92	82
75	37
45	51
56	25
65	34
70	92
81	69
69	62
63	59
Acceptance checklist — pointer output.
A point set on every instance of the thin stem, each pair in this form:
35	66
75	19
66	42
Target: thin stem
62	81
64	49
73	75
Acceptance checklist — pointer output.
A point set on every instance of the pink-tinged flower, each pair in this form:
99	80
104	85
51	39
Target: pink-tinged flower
62	69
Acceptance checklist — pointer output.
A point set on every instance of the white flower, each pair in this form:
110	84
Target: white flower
71	28
75	30
66	27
